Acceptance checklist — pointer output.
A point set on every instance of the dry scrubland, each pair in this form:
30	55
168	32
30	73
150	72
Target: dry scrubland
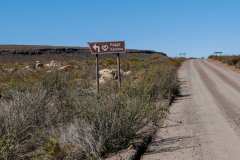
230	60
48	113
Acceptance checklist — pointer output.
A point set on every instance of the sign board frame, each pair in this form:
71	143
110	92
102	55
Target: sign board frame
113	47
109	47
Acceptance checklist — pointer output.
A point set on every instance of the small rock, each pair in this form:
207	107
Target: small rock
65	68
10	70
127	73
27	67
102	80
105	71
105	75
38	65
49	71
52	64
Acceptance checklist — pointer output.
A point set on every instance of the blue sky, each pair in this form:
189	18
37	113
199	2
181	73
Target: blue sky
197	27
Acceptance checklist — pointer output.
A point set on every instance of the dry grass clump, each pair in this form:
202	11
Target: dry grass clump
60	116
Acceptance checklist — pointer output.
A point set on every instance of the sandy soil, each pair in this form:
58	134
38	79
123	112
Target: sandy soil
204	123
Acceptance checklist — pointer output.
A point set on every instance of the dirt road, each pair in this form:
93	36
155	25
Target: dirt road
204	124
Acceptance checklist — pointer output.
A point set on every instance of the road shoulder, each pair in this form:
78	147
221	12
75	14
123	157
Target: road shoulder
177	134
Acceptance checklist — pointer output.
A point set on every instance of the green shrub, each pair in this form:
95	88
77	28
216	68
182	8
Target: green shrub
85	125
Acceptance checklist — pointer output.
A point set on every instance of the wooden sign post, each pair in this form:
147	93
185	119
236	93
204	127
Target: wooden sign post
115	47
97	73
119	70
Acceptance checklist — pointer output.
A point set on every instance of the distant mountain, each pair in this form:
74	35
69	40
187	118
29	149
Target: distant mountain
40	49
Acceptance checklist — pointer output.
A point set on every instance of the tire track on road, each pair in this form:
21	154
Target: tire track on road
230	109
226	78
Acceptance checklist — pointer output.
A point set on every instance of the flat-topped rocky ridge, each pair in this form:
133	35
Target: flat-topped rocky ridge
41	49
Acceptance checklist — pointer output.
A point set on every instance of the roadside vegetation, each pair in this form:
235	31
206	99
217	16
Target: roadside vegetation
233	60
50	114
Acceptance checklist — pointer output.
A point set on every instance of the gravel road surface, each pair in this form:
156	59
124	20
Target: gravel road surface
204	123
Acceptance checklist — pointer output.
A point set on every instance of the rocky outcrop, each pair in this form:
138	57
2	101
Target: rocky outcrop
52	65
110	74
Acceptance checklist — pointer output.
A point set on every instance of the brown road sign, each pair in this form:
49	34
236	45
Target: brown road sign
107	47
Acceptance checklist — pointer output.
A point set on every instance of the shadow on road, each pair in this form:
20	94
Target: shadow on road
171	144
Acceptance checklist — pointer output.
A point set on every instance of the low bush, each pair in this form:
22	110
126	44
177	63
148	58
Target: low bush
58	117
233	60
